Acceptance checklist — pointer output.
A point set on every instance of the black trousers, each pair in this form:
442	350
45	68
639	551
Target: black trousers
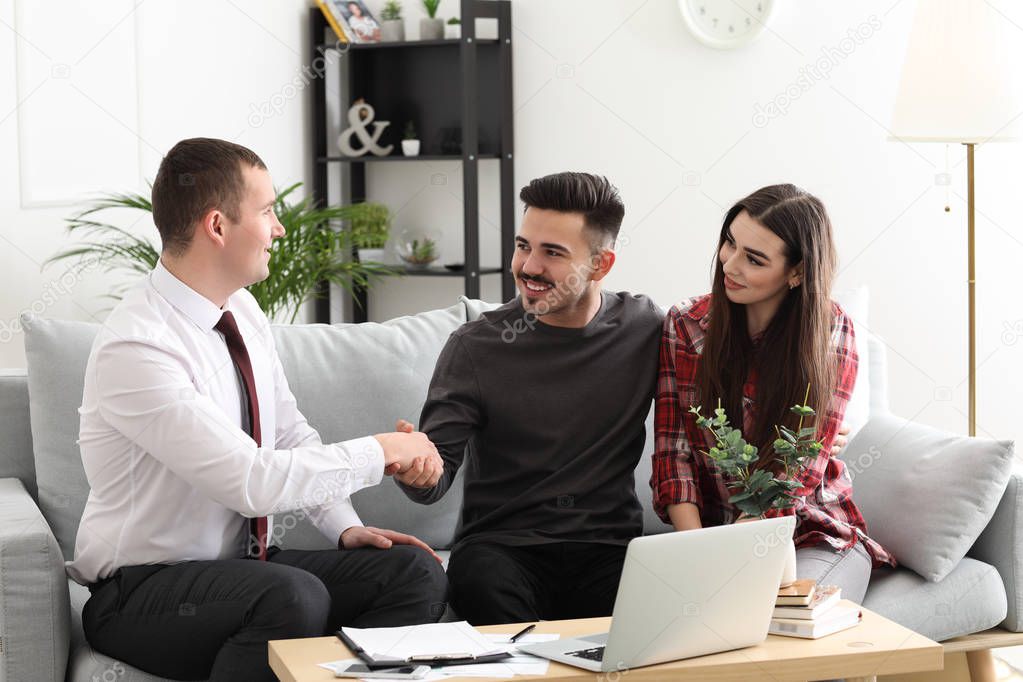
212	619
492	583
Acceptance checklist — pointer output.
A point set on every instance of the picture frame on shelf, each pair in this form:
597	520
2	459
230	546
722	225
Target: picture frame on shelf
361	25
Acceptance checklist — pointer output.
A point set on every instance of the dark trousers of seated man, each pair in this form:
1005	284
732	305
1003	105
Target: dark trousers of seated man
211	620
493	583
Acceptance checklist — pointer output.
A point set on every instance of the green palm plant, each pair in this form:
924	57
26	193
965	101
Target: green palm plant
431	7
391	11
309	254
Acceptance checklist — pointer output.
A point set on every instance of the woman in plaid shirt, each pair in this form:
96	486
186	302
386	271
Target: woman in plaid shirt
768	329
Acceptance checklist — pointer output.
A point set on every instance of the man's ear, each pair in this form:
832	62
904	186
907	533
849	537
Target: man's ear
212	227
603	261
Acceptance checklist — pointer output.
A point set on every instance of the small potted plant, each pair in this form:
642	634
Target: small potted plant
758	490
453	29
410	141
370	225
430	27
392	26
418	249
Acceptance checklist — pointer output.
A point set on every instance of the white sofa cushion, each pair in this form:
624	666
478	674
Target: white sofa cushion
926	494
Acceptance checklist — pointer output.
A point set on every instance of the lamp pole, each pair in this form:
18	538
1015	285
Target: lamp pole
972	282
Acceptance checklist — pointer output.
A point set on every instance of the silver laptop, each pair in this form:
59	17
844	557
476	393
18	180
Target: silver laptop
686	594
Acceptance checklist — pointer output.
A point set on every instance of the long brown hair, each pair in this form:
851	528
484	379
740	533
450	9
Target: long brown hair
795	349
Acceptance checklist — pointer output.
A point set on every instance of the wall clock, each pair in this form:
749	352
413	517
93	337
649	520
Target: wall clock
726	24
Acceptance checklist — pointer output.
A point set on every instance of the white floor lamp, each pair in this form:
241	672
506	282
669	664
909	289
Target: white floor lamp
960	85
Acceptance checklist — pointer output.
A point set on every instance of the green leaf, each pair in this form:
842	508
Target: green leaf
803	410
784	447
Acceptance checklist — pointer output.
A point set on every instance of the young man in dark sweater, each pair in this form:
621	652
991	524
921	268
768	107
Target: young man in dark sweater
545	399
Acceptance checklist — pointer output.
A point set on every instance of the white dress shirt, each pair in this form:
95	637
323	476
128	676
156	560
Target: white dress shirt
173	475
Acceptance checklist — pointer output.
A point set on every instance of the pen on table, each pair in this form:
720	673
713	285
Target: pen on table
353	647
522	633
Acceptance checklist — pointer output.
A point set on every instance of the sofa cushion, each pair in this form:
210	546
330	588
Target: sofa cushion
88	665
969	599
926	494
56	352
33	591
16	459
1000	544
351	380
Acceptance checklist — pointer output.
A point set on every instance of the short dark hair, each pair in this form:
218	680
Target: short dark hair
593	196
198	175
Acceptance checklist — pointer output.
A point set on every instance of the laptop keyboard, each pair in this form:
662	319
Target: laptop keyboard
594	654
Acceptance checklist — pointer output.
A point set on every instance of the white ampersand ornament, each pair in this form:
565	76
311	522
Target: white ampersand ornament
359	117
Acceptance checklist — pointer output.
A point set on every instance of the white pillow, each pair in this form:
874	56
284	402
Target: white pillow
926	494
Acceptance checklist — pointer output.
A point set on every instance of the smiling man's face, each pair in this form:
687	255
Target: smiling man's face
249	238
554	263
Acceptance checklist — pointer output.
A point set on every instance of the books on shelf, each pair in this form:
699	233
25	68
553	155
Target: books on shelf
351	20
839	617
823	599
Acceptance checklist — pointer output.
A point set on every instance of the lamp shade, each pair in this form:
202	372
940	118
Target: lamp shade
962	75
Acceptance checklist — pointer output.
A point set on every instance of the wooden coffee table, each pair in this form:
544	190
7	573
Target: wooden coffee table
877	646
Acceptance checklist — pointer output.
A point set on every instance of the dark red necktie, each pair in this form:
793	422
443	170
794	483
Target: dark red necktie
240	356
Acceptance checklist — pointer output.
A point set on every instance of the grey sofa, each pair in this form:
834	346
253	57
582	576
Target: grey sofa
352	380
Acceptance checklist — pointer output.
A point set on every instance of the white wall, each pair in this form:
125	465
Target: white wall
612	86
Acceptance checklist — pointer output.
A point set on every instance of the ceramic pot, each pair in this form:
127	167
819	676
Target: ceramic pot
431	29
788	573
392	31
410	147
371	255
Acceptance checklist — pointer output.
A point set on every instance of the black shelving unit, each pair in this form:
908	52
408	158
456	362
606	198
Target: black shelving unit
457	88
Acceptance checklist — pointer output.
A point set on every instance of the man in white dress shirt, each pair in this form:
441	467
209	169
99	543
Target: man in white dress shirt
191	438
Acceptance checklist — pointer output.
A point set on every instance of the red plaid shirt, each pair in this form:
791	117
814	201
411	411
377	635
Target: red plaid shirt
683	473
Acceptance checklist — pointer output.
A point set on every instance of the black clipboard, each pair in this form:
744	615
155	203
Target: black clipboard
433	660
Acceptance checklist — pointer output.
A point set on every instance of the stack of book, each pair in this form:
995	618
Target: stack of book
805	610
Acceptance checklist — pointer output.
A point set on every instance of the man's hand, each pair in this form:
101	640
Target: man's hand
424	473
841	440
403	449
367	536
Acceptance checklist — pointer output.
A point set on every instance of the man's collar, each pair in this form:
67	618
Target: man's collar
203	312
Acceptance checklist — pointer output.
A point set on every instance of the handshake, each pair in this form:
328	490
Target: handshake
410	457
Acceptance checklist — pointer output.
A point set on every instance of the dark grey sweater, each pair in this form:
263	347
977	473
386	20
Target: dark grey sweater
550	420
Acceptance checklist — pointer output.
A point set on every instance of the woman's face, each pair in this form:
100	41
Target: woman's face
754	263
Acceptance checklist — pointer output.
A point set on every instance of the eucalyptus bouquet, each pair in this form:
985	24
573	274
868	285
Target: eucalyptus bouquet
759	489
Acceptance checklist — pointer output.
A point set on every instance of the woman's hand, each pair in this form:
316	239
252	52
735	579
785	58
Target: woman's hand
841	439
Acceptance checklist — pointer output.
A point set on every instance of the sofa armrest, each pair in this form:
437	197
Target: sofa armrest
1001	545
34	602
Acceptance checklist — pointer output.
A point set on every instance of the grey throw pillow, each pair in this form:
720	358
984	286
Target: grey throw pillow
354	380
56	352
926	494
